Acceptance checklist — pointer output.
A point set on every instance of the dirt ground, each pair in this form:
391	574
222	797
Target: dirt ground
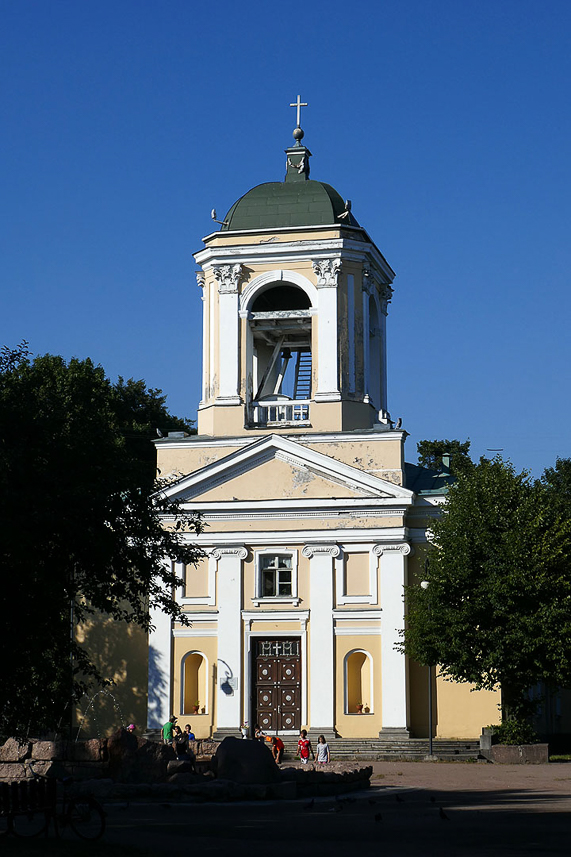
413	808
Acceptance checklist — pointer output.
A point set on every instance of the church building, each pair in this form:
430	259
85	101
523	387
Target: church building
313	522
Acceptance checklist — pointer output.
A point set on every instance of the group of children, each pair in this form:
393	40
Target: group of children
304	748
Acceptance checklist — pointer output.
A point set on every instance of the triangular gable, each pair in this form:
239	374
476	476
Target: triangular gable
327	476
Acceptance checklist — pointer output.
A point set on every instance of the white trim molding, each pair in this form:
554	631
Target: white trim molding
259	598
266	280
366	598
208	600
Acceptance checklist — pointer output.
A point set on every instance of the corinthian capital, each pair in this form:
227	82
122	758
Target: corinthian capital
385	294
327	271
228	277
200	279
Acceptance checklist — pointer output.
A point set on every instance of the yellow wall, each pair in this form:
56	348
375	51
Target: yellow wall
461	712
120	652
202	724
350	724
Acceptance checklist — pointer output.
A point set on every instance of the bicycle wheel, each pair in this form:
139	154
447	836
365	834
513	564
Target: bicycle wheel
30	824
86	818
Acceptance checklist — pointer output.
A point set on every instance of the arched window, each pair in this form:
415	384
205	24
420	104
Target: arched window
358	681
279	355
194	682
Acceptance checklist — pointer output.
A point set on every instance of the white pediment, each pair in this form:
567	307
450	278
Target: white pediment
274	468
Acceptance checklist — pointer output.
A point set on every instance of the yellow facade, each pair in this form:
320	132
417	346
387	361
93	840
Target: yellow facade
311	530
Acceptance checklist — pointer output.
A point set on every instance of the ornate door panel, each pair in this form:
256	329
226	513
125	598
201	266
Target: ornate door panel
278	685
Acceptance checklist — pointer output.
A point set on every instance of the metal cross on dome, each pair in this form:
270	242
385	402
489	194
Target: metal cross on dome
299	104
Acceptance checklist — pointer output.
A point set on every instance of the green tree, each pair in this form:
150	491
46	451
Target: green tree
80	525
431	453
497	609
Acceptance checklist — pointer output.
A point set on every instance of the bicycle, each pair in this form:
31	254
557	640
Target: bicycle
27	809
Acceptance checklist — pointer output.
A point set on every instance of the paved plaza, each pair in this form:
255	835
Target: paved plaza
413	808
424	809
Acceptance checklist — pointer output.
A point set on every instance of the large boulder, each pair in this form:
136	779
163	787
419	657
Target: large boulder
245	762
136	760
14	751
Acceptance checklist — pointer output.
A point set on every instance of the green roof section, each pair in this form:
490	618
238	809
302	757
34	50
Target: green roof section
421	480
281	204
297	201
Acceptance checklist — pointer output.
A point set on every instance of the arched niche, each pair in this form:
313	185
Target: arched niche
358	680
194	682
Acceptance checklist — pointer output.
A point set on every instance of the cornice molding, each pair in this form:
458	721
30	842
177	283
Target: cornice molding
300	250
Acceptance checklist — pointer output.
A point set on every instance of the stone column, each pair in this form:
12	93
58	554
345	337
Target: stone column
321	648
229	590
228	277
395	706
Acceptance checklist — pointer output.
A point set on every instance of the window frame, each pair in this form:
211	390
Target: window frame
259	597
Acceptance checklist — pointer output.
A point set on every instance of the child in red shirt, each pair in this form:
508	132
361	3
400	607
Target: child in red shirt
304	748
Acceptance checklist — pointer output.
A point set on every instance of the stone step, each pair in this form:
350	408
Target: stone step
373	749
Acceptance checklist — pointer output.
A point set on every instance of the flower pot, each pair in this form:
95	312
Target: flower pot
195	709
360	708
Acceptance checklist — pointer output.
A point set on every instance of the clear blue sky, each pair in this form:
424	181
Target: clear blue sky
446	123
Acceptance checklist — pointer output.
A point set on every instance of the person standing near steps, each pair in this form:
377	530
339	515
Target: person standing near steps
167	732
304	748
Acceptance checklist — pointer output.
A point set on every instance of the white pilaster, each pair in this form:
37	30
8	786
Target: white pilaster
395	708
200	280
327	271
366	324
228	277
351	331
321	652
229	587
159	706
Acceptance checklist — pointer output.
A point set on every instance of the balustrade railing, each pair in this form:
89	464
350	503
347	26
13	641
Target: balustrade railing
294	412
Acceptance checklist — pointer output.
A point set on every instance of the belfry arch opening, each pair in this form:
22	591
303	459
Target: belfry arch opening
280	382
281	297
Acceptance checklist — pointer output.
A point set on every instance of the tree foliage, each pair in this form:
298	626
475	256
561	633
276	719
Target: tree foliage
80	519
497	610
431	453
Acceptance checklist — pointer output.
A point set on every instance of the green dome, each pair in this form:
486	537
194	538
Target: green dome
277	205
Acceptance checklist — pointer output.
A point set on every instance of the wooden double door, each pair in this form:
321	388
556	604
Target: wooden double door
277	691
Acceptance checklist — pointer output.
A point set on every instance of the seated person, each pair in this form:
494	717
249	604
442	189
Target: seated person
181	744
190	736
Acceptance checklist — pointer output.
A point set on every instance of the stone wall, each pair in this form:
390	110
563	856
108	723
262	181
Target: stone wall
122	758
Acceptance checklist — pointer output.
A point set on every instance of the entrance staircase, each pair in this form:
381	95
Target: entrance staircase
373	750
411	750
